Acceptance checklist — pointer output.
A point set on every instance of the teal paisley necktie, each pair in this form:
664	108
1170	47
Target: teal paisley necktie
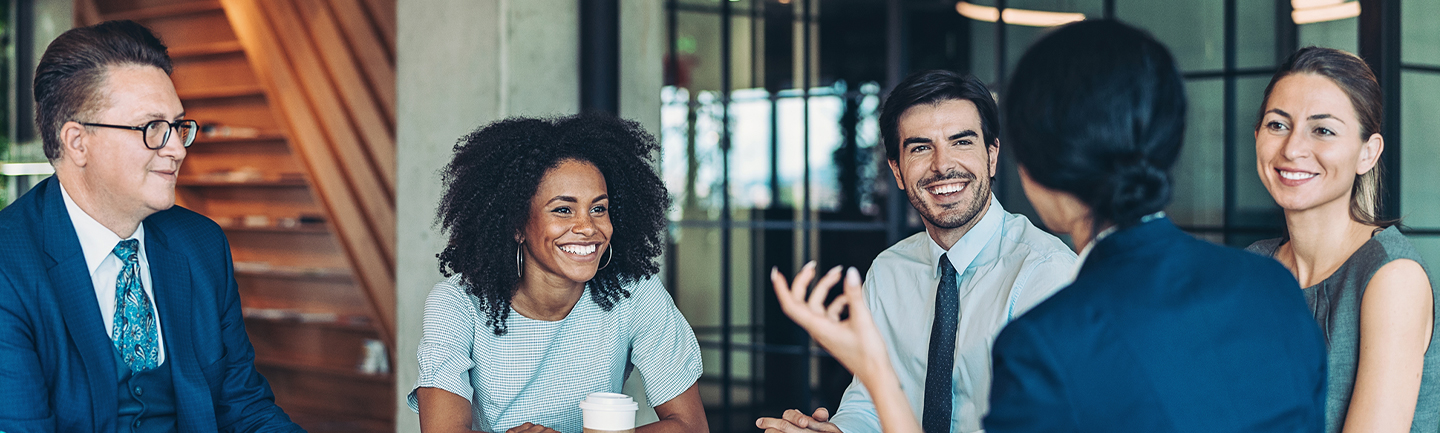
134	331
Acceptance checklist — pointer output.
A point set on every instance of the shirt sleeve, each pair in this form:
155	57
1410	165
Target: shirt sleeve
662	345
856	413
447	336
1046	277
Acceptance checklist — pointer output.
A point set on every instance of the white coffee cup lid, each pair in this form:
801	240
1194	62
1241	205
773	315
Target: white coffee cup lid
608	401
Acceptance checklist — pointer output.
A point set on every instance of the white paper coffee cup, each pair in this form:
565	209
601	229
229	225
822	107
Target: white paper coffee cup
608	412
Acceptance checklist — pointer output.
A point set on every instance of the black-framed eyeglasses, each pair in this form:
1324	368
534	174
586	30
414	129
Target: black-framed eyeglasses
157	132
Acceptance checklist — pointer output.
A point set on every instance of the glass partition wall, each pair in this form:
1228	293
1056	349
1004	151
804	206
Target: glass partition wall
771	149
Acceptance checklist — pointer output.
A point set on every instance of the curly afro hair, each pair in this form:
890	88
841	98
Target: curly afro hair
497	170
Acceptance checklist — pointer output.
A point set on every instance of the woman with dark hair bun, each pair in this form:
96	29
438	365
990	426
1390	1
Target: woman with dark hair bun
554	228
1317	149
1159	331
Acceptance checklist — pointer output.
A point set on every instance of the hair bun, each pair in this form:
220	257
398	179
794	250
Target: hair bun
1138	189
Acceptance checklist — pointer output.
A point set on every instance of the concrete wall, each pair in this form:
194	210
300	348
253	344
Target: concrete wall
465	63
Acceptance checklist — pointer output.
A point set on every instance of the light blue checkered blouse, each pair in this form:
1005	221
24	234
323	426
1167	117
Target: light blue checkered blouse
539	371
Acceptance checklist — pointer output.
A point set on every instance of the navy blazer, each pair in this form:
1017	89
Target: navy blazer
1162	332
57	364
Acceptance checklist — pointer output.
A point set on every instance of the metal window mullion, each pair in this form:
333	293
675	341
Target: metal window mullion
726	337
805	211
1230	78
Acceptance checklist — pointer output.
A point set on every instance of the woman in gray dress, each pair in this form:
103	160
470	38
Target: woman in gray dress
1317	147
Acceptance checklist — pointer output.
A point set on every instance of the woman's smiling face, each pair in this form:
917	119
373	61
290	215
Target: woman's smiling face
569	228
1309	147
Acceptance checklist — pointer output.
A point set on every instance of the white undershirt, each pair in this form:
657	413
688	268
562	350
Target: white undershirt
98	243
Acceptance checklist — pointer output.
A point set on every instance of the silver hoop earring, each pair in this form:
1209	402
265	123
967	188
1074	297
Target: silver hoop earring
519	261
607	261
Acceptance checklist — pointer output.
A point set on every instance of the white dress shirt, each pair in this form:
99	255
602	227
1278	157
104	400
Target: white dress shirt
98	243
1005	266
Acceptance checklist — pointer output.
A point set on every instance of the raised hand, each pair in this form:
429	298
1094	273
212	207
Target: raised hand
854	341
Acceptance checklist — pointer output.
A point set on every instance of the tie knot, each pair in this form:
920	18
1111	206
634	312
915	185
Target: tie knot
946	268
125	250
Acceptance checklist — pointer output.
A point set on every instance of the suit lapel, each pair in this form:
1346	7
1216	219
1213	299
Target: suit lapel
70	278
170	276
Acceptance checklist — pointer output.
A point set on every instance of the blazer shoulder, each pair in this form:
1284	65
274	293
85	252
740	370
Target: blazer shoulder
179	221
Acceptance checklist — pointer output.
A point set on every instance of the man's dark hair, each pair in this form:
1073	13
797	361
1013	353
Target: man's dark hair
73	68
933	87
1096	109
496	173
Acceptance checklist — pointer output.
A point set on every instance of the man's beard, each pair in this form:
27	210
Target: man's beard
978	191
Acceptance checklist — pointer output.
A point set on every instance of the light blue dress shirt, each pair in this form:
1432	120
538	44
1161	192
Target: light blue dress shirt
1006	266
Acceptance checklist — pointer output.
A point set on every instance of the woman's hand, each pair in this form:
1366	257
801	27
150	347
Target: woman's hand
854	341
530	428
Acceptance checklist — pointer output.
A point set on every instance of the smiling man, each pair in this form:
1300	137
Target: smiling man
120	311
940	297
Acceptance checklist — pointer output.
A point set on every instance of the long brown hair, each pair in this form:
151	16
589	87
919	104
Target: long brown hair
1358	82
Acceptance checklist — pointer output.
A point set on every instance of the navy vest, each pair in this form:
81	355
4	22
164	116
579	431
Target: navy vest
147	399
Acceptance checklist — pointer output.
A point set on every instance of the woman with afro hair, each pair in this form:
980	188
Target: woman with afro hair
554	229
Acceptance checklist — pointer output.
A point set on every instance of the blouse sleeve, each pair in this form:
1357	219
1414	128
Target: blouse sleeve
662	346
446	339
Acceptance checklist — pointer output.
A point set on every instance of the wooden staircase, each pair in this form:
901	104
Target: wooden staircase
297	162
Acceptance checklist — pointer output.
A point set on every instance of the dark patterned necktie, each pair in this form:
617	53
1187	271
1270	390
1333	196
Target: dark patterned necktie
942	351
134	330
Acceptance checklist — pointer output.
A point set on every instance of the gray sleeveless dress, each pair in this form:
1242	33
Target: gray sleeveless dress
1336	305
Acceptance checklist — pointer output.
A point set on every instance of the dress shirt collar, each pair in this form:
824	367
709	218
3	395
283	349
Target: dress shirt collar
96	241
1085	253
963	253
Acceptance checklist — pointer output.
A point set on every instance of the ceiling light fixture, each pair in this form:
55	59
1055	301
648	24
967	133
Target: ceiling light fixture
1022	17
1315	11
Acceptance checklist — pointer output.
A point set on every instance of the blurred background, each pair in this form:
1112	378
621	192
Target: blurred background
328	119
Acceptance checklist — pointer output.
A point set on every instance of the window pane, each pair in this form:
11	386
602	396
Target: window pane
1199	175
1429	248
1419	155
750	150
1255	34
1340	34
1420	32
1193	30
982	52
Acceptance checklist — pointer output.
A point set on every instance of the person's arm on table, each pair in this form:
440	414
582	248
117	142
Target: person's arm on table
1396	319
681	414
663	349
442	411
854	341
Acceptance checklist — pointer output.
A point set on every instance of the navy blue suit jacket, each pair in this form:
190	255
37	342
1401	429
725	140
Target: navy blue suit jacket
1162	332
57	364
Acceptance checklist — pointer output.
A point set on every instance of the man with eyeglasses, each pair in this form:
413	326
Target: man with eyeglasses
118	310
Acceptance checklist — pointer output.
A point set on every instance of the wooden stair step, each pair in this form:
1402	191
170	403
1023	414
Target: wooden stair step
210	49
222	92
347	374
165	11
